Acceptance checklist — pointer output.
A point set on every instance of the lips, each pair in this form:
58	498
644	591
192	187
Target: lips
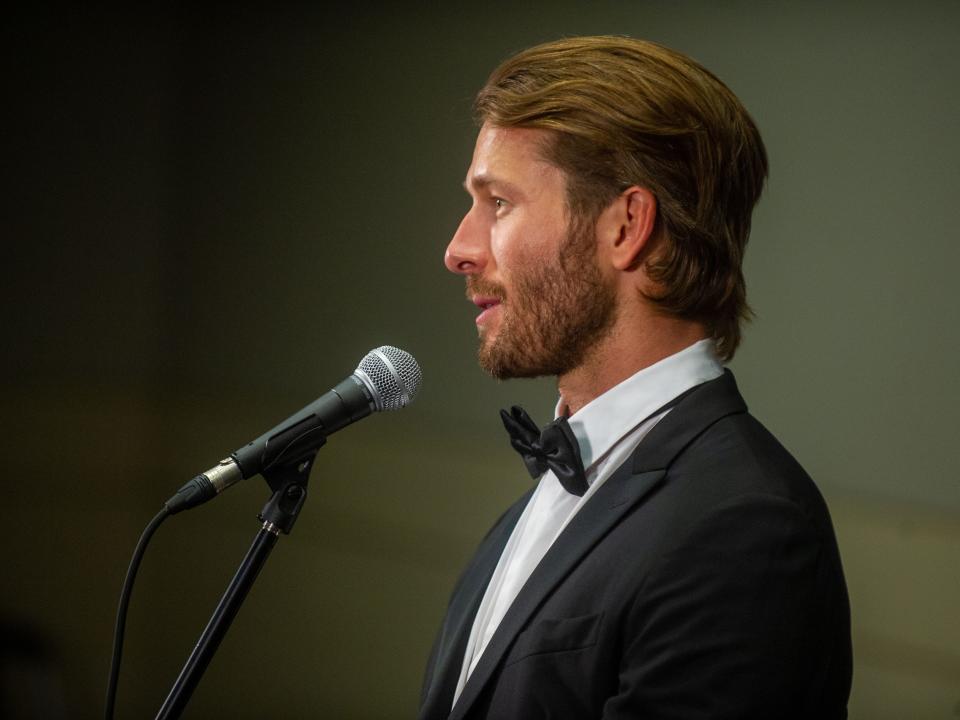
485	302
488	306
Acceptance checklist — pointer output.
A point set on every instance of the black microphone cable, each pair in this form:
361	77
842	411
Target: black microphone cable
122	609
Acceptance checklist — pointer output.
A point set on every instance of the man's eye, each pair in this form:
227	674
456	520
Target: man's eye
500	203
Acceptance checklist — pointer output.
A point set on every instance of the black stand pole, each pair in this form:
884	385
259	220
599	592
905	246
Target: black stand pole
290	492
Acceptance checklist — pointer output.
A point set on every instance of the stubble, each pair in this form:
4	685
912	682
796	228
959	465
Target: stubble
555	313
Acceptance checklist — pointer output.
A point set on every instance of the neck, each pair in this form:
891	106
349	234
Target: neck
623	353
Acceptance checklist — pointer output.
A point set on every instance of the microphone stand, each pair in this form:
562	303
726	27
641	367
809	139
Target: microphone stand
289	485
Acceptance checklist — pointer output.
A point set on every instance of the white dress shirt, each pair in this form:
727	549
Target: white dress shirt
608	430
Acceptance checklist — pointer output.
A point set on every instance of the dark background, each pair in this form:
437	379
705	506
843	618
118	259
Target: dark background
211	215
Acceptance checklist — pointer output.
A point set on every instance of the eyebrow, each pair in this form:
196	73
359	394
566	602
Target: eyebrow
482	182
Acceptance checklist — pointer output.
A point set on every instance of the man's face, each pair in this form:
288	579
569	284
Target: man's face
534	274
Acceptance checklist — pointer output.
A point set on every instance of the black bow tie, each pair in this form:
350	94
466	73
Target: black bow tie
555	448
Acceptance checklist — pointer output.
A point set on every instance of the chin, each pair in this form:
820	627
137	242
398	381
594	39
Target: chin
511	364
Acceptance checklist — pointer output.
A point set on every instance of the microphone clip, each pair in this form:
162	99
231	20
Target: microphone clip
289	485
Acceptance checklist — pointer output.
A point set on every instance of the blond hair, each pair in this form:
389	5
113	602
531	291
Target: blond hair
629	112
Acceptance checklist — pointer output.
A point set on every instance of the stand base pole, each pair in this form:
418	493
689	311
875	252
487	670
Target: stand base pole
219	623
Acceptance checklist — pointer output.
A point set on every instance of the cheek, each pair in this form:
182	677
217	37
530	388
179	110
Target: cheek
506	249
523	245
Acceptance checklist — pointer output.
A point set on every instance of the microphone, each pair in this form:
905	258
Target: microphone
386	379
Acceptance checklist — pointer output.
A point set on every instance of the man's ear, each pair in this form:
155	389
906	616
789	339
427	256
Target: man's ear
627	226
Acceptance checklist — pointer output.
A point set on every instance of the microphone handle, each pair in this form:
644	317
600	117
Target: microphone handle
300	435
294	440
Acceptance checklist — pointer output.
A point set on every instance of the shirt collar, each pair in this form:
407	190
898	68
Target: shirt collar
600	424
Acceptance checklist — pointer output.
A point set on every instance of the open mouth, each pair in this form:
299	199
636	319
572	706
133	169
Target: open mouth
487	306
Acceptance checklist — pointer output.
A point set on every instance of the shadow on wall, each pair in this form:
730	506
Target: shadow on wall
30	673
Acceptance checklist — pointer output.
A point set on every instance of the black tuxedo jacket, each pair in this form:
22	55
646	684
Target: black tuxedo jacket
702	580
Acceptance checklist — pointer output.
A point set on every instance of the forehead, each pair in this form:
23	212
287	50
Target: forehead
515	157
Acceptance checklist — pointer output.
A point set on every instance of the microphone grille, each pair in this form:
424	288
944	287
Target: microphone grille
392	375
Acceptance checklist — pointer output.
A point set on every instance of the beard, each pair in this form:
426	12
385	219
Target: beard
555	313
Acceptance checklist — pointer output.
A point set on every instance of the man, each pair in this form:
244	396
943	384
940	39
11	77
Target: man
673	560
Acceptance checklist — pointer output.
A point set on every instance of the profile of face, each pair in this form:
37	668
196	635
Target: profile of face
530	268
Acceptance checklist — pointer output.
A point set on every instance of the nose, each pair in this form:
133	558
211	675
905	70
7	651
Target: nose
467	252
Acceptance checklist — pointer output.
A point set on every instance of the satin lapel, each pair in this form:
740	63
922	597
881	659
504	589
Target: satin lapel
463	608
616	497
